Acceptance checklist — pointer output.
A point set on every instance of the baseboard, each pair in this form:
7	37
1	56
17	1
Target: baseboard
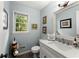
24	52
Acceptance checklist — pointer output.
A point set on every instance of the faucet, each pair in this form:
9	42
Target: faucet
63	40
75	43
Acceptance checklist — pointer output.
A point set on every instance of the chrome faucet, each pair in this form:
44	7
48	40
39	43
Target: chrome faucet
63	40
75	43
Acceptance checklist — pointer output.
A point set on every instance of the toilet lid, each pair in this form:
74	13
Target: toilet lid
35	48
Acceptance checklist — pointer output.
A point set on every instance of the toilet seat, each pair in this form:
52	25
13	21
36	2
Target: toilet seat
35	49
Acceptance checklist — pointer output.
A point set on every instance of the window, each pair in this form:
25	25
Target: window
21	22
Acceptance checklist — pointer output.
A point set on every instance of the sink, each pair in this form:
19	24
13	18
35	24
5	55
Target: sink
63	47
51	42
60	45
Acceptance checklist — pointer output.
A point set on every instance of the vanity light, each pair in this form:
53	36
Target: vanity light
63	4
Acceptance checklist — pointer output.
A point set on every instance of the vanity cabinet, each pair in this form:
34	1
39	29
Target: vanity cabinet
44	53
47	52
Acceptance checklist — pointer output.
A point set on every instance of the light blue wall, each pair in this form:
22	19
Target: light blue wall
70	13
4	34
30	38
4	47
49	12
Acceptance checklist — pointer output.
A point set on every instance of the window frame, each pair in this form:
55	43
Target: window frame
14	22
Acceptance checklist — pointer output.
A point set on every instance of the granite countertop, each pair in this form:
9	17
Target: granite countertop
66	50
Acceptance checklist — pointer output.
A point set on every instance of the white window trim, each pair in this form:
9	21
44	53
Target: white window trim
14	31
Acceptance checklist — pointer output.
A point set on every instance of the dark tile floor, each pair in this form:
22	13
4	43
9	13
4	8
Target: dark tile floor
27	55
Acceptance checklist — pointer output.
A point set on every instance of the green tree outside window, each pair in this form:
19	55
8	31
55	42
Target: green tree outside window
21	22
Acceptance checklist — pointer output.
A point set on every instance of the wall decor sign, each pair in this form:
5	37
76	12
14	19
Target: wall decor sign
5	19
44	29
66	23
34	26
45	20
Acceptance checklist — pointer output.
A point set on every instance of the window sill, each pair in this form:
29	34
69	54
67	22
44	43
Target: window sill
21	32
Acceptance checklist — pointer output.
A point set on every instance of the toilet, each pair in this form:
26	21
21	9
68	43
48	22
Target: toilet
35	50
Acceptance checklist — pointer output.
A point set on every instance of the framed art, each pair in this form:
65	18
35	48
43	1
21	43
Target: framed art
66	23
44	29
5	19
45	20
34	26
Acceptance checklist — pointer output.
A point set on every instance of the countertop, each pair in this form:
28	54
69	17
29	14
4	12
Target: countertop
66	50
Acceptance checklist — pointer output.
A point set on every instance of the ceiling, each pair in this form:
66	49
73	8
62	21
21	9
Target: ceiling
35	4
40	4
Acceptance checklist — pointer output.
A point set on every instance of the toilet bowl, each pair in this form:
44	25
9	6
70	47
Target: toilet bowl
35	50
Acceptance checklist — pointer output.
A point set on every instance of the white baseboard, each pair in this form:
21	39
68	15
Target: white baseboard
24	52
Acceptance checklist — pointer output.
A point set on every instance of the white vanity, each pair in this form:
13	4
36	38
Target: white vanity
46	51
55	49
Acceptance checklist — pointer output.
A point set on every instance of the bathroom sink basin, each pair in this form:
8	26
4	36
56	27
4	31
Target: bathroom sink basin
51	42
63	47
60	45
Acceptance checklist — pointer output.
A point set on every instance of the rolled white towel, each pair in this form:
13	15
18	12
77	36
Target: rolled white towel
16	52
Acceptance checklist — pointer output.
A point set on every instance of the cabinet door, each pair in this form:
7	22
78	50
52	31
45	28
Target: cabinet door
49	54
44	53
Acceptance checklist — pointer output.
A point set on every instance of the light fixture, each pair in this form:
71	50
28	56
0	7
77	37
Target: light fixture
64	4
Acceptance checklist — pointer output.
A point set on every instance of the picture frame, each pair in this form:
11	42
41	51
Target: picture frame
66	23
44	29
34	26
5	19
45	20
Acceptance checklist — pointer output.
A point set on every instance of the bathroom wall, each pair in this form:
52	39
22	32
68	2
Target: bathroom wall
30	38
4	34
49	12
1	28
53	22
69	13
